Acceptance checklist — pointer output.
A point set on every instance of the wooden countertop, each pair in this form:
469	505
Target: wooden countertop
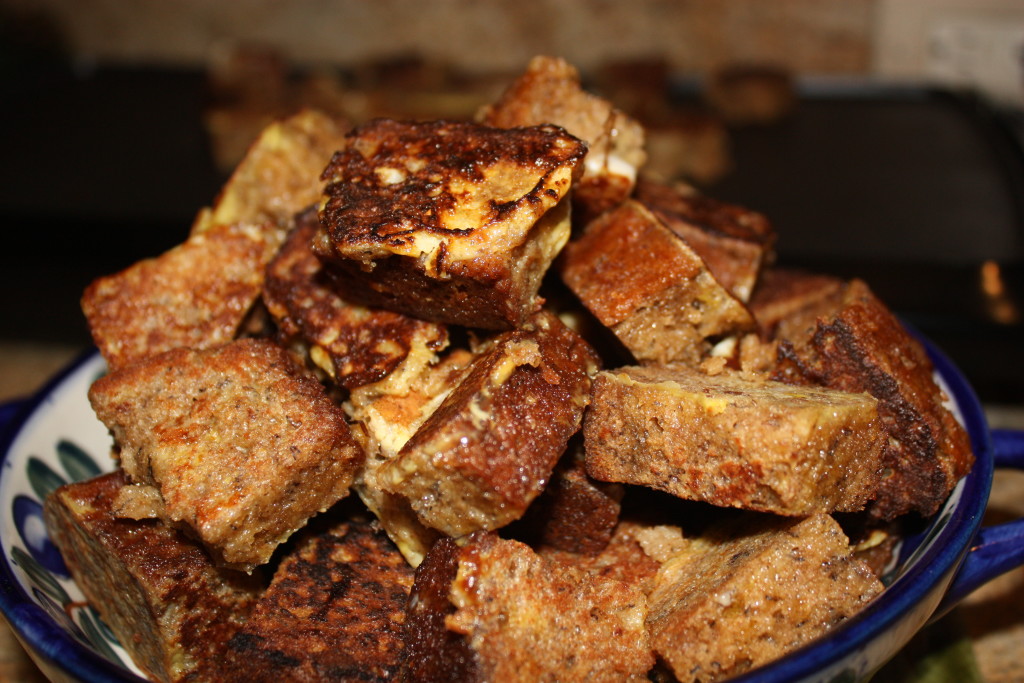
992	619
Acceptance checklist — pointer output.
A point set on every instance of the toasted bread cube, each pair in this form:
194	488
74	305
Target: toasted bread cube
241	445
792	299
196	295
334	611
486	452
353	344
550	92
448	221
857	344
386	414
749	592
170	607
733	241
574	513
650	288
279	175
492	610
734	442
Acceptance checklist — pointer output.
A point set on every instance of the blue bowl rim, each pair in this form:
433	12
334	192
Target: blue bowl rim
47	640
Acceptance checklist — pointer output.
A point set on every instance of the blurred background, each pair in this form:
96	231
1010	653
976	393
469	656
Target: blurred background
883	138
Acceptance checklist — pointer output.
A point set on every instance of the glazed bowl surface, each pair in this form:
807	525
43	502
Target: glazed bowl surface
54	438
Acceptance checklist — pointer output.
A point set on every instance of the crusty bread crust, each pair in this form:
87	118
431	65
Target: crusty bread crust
857	344
334	611
157	589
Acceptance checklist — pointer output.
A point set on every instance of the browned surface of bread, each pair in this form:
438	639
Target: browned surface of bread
449	221
787	302
353	344
734	442
195	295
649	287
170	607
524	618
280	173
333	612
574	513
487	451
385	415
734	242
242	445
753	591
622	559
432	652
550	92
857	344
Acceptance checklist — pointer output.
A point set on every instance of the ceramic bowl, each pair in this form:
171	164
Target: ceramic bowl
54	438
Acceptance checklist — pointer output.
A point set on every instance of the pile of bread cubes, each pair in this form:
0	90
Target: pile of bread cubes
478	401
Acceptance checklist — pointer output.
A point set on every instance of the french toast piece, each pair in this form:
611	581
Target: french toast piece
574	513
279	175
333	612
195	295
650	288
857	344
486	452
353	344
492	610
448	221
550	92
385	415
733	241
242	446
792	299
734	442
158	590
749	592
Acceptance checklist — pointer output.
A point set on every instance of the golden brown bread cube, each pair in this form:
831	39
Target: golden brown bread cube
748	592
550	92
734	442
486	452
492	610
170	607
856	344
280	173
353	344
787	302
241	444
650	288
195	295
448	221
333	612
733	241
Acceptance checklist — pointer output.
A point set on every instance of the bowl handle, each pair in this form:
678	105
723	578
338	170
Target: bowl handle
999	548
